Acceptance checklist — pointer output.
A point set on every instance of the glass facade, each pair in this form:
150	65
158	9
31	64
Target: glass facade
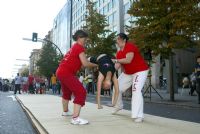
114	10
61	28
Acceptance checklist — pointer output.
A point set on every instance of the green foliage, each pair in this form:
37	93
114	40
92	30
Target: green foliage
101	40
165	25
25	72
48	61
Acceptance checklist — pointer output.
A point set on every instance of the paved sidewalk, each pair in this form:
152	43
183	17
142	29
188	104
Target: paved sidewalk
45	112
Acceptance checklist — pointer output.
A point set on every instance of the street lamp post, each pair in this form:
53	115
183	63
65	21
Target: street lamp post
48	41
45	40
71	22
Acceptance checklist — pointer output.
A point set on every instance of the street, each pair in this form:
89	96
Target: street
163	110
13	119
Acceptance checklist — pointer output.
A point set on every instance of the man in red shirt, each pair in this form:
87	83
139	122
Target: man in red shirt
66	73
135	71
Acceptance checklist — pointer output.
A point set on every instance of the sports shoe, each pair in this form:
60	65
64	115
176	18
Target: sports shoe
68	113
79	121
138	120
116	110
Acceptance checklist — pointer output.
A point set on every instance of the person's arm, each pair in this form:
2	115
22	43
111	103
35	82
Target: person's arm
116	87
127	60
85	61
99	83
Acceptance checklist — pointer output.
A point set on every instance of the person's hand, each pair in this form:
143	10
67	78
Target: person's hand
114	60
117	66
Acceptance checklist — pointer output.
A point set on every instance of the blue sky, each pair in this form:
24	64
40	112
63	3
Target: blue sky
19	18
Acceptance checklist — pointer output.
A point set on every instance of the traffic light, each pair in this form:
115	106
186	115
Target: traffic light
34	37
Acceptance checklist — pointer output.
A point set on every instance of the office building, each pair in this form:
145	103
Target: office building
114	10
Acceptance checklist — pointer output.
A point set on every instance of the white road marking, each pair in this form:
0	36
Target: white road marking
13	97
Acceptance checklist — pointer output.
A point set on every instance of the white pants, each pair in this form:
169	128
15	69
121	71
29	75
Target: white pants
137	82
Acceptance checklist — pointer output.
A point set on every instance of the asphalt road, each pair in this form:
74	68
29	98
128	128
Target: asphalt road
13	120
163	110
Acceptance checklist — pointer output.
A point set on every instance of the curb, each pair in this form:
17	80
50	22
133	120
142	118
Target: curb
35	123
158	102
173	104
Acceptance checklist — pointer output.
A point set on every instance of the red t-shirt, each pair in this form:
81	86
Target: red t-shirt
137	64
71	63
30	80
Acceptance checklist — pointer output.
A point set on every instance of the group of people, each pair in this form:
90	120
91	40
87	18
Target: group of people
29	84
128	58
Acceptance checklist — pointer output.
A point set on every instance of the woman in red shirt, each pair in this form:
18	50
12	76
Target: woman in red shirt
66	73
135	71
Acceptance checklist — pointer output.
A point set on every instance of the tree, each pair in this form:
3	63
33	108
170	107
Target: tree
25	71
48	61
165	25
101	40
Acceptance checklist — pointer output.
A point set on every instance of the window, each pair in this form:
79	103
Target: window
126	7
105	9
114	29
115	17
109	6
101	11
113	3
97	4
110	19
101	2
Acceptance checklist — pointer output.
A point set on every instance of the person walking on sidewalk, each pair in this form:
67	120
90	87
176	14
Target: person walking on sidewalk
70	84
135	71
197	72
18	82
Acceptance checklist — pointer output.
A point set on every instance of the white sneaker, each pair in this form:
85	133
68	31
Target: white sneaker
68	113
79	121
116	110
138	120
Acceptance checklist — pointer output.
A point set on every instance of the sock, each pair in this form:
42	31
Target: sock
66	110
74	117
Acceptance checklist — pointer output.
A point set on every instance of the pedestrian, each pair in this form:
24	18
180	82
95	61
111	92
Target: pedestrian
193	83
197	72
18	82
107	75
37	85
1	84
89	86
46	84
58	86
53	83
135	71
31	84
70	84
24	84
81	78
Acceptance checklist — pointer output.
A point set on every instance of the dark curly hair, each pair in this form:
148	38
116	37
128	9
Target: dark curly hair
79	34
123	36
